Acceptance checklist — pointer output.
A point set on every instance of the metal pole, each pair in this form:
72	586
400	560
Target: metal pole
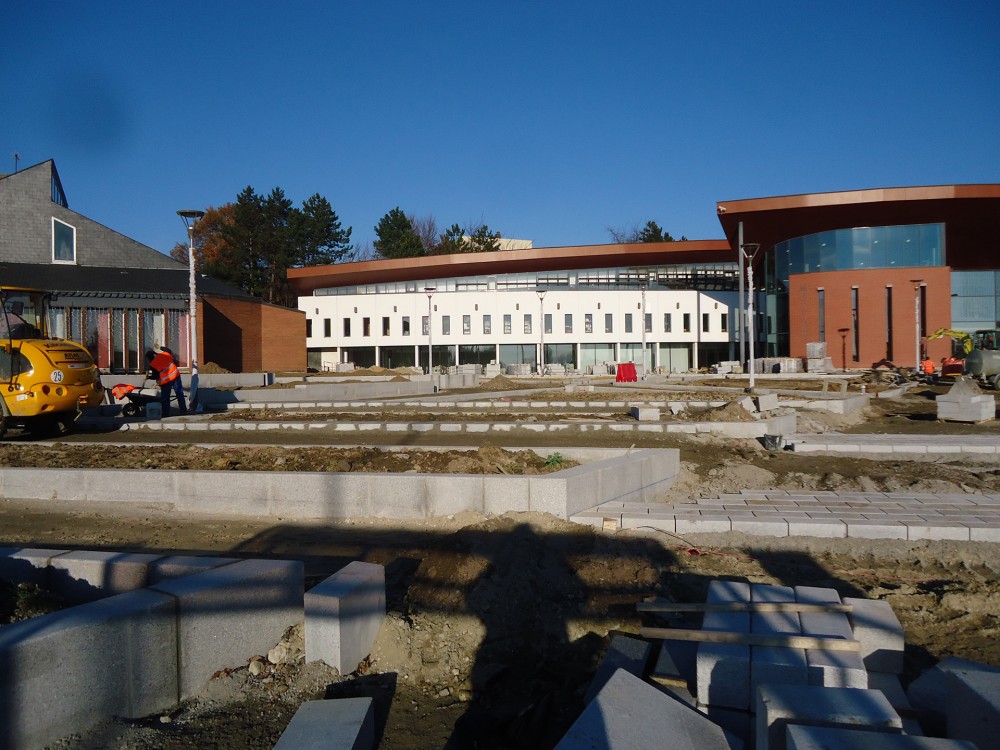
916	295
750	318
193	308
541	322
742	319
430	336
644	333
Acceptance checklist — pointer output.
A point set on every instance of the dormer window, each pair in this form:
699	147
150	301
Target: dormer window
63	242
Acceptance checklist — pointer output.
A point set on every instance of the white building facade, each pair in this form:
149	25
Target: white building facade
677	316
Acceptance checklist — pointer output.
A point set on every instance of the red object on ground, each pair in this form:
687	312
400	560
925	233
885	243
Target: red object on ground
626	373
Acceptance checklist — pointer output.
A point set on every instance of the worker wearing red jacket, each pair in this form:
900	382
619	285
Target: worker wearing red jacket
163	368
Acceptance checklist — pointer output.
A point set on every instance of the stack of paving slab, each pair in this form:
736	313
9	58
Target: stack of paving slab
964	402
777	697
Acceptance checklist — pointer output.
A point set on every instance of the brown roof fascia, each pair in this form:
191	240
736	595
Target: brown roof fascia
307	280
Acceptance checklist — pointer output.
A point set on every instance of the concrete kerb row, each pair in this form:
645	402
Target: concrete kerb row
139	651
153	647
628	476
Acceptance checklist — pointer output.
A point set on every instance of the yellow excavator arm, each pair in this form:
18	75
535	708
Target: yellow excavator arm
964	340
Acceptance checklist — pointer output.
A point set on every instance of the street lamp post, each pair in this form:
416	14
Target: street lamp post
843	347
541	328
190	217
644	370
429	291
916	297
749	250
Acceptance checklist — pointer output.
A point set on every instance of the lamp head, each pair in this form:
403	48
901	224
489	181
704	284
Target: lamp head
189	216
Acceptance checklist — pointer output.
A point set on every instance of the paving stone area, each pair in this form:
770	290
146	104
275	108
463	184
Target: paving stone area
865	515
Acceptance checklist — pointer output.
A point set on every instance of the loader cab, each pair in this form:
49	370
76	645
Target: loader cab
988	340
23	315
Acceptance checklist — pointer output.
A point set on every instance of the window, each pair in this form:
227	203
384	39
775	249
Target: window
548	322
425	325
366	326
385	326
704	323
667	323
466	325
588	323
647	322
326	326
446	325
569	323
63	242
724	322
506	324
406	325
527	322
609	323
487	325
309	329
687	322
855	334
628	322
888	322
347	327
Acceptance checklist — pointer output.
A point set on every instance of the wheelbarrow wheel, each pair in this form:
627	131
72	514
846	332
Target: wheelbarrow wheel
130	410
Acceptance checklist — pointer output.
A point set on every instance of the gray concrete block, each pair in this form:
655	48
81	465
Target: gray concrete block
26	565
973	707
723	670
72	669
177	566
877	629
629	713
777	706
929	692
343	616
767	402
833	738
342	724
630	654
645	414
228	614
772	664
830	668
86	575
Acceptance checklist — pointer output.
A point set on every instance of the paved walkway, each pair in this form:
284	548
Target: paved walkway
778	513
830	442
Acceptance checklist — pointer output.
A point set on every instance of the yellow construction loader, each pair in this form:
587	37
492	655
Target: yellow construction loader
44	382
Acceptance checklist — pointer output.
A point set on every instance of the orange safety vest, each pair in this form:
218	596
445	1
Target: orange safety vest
164	364
928	367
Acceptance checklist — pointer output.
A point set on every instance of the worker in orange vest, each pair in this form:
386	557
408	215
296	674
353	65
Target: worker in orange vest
927	366
163	368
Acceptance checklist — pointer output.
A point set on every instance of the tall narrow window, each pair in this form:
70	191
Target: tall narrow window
366	326
63	242
425	325
347	327
821	313
406	325
724	322
628	322
327	326
888	323
569	323
466	325
704	322
548	322
687	322
609	323
855	326
385	326
647	322
527	322
588	323
506	324
446	325
667	323
309	329
487	325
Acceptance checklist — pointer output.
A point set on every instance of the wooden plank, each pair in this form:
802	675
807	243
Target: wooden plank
741	607
751	639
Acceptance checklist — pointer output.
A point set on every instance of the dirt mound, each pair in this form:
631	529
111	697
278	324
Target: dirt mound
210	368
731	412
500	383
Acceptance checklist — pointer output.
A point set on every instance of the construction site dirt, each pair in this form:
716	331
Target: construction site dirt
496	624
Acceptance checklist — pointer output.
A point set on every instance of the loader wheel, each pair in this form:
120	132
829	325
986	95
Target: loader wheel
130	410
996	382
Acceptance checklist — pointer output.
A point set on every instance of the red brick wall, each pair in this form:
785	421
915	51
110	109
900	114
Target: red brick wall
872	314
251	336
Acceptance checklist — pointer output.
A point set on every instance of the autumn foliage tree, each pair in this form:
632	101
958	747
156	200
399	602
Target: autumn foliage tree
253	242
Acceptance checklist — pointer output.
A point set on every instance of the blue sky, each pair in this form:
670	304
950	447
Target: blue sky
549	121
